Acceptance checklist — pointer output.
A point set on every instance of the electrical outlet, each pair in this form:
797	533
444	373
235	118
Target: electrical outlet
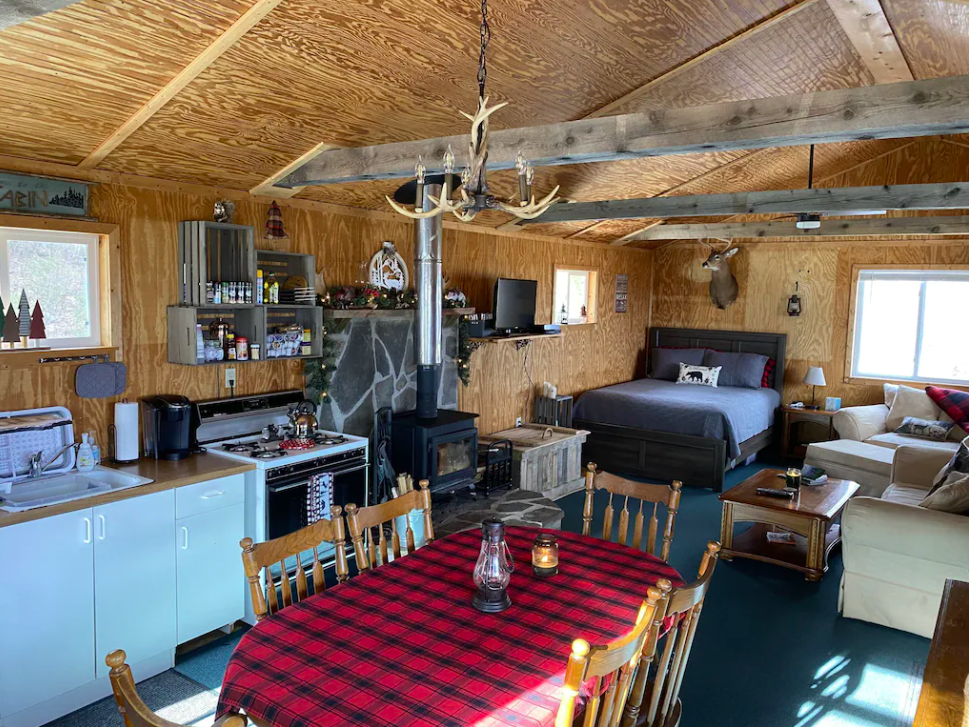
230	378
518	422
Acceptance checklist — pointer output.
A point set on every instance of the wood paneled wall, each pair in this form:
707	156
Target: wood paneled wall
586	357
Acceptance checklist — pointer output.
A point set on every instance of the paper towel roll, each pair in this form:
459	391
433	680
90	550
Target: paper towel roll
126	431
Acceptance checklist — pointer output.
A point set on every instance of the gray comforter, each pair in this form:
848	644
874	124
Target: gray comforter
726	412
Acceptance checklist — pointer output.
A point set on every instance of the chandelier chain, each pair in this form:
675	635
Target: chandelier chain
485	33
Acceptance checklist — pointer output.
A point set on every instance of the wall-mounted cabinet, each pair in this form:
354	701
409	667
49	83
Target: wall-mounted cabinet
248	321
210	252
295	273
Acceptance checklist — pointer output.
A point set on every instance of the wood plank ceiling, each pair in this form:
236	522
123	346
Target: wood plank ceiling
328	71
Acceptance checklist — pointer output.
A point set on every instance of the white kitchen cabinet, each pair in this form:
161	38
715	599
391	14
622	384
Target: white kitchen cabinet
46	609
210	577
134	577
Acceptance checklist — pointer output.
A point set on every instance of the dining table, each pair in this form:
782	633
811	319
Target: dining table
402	645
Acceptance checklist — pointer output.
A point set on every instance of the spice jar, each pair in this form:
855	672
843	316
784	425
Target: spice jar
255	351
242	348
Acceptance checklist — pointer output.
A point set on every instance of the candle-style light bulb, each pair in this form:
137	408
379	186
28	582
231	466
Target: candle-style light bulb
528	178
419	172
449	161
521	164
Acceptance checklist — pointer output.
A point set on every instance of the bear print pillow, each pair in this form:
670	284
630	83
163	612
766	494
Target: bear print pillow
699	375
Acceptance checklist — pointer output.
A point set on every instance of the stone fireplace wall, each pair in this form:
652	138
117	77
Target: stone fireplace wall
375	368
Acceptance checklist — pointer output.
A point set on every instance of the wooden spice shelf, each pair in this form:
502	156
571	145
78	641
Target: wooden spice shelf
344	313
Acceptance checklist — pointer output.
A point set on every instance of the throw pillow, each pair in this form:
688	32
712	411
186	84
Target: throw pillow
666	361
958	463
952	402
890	390
925	428
911	402
700	375
952	496
745	370
765	382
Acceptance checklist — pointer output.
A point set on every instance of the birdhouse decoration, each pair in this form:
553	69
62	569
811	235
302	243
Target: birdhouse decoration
38	332
274	225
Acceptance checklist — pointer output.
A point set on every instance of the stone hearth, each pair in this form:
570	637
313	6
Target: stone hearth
374	368
515	507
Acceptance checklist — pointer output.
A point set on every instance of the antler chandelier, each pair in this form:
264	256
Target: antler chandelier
475	194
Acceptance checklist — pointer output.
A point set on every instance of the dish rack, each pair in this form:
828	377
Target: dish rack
27	432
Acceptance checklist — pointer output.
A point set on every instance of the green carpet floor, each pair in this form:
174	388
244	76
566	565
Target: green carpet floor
770	651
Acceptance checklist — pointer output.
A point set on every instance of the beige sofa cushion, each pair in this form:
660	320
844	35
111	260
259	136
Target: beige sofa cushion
904	495
911	402
857	455
861	422
892	440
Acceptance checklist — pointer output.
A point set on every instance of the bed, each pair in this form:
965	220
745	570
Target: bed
661	430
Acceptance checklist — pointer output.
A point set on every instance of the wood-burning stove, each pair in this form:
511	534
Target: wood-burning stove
442	449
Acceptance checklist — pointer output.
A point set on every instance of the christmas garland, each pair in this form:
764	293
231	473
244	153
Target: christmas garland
319	371
463	359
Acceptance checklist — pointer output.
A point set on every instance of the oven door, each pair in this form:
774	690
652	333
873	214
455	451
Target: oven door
287	496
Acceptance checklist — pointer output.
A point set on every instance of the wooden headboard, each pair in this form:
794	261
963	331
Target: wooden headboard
773	345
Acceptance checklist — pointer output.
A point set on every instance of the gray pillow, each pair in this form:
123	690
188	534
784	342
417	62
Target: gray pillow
666	361
738	369
925	428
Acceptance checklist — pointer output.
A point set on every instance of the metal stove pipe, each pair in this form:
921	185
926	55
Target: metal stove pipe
428	240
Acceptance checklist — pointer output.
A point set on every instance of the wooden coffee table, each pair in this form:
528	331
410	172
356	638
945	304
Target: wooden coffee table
810	517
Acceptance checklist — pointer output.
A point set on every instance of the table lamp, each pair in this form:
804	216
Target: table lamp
814	377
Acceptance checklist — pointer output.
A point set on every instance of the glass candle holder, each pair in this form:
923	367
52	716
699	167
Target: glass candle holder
792	478
545	555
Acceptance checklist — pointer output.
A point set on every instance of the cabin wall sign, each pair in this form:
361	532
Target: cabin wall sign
26	194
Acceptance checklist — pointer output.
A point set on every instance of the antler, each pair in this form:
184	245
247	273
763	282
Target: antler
531	209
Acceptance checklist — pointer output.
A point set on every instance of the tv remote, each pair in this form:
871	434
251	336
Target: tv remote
770	492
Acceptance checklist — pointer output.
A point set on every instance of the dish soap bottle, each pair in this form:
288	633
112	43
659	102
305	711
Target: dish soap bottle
85	455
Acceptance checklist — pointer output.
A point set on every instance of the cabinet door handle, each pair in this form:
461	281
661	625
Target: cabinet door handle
213	494
104	528
87	531
184	538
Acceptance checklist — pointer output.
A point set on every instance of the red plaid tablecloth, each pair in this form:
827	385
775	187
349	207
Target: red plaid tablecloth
401	645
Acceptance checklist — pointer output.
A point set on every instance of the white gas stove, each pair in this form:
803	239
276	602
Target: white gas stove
282	493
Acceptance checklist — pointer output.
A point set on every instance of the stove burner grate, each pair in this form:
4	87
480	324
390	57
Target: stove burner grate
241	447
268	454
326	440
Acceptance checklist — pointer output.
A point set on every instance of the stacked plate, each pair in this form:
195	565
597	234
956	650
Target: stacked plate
298	296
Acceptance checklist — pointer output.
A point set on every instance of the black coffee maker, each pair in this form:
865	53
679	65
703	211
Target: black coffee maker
166	420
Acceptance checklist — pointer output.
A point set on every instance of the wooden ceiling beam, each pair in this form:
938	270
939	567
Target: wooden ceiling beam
13	12
268	188
828	200
868	29
632	236
259	10
917	108
877	227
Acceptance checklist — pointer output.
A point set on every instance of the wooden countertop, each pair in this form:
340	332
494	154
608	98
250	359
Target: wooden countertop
942	701
167	475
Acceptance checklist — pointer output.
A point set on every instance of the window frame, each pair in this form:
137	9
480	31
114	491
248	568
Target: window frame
592	294
109	287
92	242
856	309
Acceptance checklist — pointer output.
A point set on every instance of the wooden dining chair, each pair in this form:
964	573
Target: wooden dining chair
683	607
134	711
607	671
645	493
263	556
362	521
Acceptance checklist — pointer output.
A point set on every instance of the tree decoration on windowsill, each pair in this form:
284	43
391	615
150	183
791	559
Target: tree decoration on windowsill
465	349
474	190
37	329
11	327
24	318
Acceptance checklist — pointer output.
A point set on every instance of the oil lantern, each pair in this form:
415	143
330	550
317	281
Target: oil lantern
492	572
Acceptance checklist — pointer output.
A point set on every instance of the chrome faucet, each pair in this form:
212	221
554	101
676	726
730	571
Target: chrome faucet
36	460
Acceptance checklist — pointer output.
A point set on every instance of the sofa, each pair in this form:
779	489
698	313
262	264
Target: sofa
865	453
897	555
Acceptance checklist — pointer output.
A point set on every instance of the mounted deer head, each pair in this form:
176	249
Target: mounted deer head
723	285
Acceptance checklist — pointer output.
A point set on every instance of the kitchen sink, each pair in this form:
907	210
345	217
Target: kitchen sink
55	489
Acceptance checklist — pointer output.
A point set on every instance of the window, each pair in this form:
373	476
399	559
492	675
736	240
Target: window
575	296
61	270
907	326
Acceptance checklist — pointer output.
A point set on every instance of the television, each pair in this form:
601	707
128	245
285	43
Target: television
514	305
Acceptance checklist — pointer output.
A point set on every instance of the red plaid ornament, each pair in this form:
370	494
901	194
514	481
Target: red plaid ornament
274	224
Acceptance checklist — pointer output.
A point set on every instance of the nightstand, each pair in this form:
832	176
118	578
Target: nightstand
802	427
